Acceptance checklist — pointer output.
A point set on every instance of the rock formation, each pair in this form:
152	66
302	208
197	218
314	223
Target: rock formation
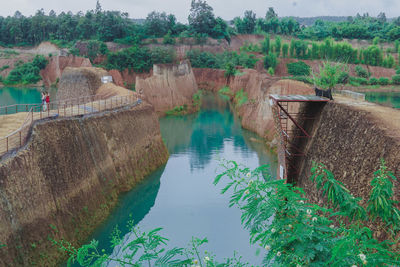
170	86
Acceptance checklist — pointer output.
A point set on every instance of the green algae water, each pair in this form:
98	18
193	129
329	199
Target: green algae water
390	99
180	196
22	95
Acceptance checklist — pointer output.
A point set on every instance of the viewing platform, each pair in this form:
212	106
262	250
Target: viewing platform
290	118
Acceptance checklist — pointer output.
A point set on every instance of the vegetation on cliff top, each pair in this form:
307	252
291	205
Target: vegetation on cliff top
26	73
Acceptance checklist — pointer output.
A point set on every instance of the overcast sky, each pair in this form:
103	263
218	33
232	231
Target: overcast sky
227	9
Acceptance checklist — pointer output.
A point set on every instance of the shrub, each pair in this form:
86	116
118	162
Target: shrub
4	67
396	79
225	91
168	39
241	98
383	81
343	77
298	68
398	71
270	61
361	72
373	81
271	71
358	81
26	73
304	79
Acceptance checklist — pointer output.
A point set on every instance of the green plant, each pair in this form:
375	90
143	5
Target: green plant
225	91
343	77
328	75
179	110
373	81
4	67
383	81
298	68
168	39
361	72
196	99
241	97
271	71
396	79
270	61
297	233
304	79
358	80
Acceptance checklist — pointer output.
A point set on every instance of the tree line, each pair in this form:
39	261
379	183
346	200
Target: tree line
117	26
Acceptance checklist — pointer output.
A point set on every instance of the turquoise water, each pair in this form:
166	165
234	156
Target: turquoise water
391	99
180	196
21	95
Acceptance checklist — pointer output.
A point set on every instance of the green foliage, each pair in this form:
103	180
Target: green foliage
225	91
298	68
381	204
27	73
343	77
328	75
270	61
373	81
168	39
285	49
304	79
223	60
230	70
95	49
4	67
396	79
240	98
278	45
388	62
249	47
357	81
271	71
139	59
373	55
176	111
383	81
266	45
297	233
196	99
361	72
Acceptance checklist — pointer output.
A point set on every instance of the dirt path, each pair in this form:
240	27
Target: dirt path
386	118
10	123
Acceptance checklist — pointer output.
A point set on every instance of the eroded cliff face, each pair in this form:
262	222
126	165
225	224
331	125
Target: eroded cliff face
57	64
79	82
66	179
170	86
351	140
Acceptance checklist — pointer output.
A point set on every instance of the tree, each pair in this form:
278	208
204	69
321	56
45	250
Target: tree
278	45
382	17
270	61
328	76
249	21
285	49
271	14
158	24
201	17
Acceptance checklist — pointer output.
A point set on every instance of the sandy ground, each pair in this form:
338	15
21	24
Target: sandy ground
10	123
386	118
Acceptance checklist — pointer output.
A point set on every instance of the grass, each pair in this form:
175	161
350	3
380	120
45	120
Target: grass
241	97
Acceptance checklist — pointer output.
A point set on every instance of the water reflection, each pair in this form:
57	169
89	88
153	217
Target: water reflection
181	198
390	99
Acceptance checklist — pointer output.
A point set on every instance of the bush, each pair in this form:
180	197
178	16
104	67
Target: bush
383	81
361	72
271	71
373	81
298	68
343	77
304	79
168	39
27	73
398	71
356	81
396	79
270	61
4	67
241	98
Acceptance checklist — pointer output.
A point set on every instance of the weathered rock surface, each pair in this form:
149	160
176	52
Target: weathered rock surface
170	86
67	178
79	82
57	64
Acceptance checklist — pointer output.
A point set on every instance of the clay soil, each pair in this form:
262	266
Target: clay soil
388	119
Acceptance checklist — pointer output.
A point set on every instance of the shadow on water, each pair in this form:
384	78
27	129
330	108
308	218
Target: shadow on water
180	196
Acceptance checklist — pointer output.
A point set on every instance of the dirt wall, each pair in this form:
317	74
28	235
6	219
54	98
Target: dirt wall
350	141
171	85
64	182
57	64
79	82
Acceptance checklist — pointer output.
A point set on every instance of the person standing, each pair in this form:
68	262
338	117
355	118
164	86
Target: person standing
44	104
48	101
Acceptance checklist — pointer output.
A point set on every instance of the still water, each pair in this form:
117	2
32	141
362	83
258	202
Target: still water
391	99
22	95
180	196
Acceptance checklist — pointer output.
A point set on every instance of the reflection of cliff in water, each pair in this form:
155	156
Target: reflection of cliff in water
134	205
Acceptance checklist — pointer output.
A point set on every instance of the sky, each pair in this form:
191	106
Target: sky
227	9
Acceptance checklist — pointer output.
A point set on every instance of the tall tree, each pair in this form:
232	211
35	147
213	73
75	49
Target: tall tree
201	17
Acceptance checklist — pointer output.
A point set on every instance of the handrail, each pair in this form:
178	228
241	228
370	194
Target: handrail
75	107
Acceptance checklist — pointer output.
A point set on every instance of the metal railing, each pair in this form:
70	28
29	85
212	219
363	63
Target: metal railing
66	108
